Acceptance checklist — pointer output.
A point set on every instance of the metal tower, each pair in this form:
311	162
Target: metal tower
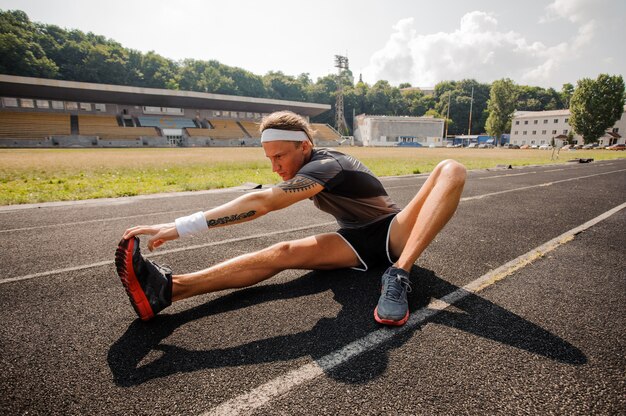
341	63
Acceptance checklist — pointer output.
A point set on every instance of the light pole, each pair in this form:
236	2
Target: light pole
445	137
341	63
469	128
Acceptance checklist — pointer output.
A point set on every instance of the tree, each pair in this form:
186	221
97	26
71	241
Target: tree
539	99
20	50
566	94
106	64
379	98
501	105
481	96
416	102
156	71
284	87
460	94
596	105
20	57
360	92
205	76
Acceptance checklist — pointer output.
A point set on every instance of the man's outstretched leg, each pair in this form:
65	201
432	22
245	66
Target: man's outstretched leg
152	288
412	231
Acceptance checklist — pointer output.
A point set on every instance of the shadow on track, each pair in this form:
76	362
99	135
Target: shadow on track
357	294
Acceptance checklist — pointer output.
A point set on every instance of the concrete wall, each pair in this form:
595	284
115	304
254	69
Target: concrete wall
83	142
209	142
29	143
95	142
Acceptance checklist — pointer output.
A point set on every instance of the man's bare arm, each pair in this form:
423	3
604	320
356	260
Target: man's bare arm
229	218
245	208
257	204
298	184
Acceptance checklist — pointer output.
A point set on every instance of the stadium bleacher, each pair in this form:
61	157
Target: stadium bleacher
39	125
251	128
95	120
166	122
106	127
41	112
324	133
197	132
235	130
225	129
30	125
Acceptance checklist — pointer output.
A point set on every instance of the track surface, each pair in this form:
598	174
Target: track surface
548	338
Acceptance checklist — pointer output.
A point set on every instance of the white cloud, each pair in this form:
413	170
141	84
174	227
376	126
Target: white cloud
582	13
477	49
576	11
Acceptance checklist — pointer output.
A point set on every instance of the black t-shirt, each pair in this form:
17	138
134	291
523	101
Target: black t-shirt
352	193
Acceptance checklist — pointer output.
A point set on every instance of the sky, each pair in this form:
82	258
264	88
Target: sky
533	42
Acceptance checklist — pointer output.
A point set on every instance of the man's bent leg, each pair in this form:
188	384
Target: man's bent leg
320	252
411	232
427	213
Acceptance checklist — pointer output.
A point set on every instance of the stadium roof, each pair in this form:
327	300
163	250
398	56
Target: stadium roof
26	87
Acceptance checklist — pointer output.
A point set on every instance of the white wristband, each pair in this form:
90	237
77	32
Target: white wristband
191	224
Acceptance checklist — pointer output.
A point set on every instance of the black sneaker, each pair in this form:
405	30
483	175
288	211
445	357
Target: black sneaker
393	307
148	285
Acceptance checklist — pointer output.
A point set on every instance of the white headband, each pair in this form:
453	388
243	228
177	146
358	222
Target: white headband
272	135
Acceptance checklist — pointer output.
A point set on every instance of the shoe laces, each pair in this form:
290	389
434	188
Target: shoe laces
396	286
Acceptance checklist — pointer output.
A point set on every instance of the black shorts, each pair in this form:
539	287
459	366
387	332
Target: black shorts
370	243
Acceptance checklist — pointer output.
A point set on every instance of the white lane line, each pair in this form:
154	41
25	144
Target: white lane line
515	189
508	174
115	201
69	224
163	252
66	224
553	170
469	198
262	395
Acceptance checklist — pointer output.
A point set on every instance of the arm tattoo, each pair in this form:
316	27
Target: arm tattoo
297	184
230	218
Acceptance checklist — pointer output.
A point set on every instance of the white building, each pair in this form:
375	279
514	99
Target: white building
539	127
398	131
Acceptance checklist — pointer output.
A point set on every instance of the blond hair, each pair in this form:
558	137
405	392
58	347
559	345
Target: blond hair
287	120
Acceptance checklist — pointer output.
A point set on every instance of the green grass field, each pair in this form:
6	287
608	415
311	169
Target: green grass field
41	175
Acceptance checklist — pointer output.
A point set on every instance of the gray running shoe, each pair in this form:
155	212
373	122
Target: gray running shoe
393	308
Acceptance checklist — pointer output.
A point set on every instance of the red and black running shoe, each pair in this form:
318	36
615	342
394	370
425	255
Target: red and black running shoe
148	285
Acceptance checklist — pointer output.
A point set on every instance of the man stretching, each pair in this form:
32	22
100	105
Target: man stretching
373	230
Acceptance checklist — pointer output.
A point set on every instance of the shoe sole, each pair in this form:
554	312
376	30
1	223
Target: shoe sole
390	321
126	272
